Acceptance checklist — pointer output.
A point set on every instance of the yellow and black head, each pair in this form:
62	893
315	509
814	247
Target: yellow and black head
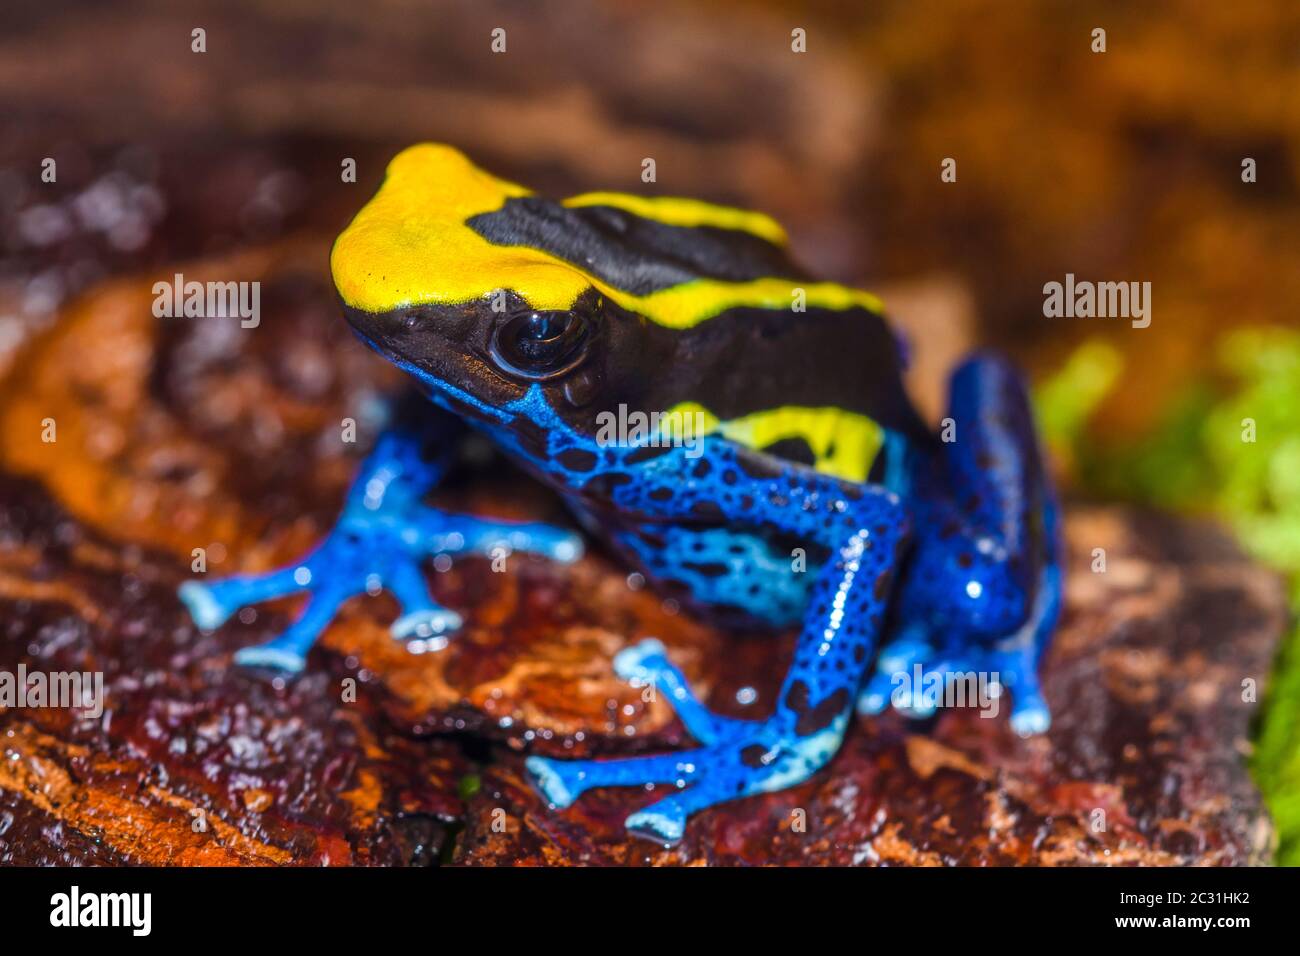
478	284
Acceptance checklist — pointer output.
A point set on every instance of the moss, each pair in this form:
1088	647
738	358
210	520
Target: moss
469	785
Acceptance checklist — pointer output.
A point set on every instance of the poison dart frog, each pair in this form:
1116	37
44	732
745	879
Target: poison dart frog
530	320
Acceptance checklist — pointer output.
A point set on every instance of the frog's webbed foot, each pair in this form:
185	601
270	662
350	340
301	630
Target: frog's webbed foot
365	556
752	757
917	676
739	757
918	679
713	770
382	537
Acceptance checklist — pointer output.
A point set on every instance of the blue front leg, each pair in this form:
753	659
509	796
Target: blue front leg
382	536
864	527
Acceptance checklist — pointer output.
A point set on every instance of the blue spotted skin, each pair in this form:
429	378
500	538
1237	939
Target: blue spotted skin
722	569
954	519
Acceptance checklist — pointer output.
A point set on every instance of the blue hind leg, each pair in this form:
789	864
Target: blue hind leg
382	535
863	526
982	592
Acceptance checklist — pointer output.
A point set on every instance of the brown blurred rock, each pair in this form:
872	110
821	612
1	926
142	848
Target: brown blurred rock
585	91
936	317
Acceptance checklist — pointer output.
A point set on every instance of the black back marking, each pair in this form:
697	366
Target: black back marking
630	252
792	449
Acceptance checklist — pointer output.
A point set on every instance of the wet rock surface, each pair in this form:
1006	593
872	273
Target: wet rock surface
190	762
174	435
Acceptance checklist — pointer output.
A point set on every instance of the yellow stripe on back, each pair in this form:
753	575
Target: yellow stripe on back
691	303
677	211
410	245
843	443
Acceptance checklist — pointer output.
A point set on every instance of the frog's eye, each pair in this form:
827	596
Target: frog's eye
540	345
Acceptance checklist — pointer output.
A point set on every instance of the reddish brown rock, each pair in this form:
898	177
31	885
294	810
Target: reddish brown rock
191	762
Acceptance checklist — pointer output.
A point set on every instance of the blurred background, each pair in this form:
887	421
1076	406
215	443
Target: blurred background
1117	166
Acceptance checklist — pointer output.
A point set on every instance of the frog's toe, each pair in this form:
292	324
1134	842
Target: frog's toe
916	708
422	617
206	611
560	782
642	662
549	779
646	664
565	546
1029	712
288	652
895	669
658	823
211	605
900	655
1015	671
271	657
874	697
551	542
1030	719
758	758
426	623
466	534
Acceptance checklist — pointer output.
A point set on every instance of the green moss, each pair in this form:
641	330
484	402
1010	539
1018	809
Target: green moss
469	785
1066	401
1230	448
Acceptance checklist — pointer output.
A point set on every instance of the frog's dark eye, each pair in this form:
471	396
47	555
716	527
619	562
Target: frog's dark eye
540	345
